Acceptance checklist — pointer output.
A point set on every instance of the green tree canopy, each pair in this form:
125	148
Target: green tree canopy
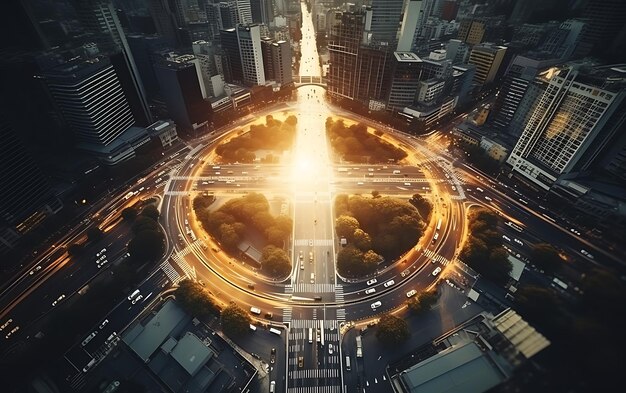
144	223
152	212
392	330
423	302
345	226
129	213
275	262
195	299
235	320
147	245
423	205
94	234
546	257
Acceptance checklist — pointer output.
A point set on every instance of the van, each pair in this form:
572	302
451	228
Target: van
252	328
255	310
272	386
133	295
312	278
396	171
275	331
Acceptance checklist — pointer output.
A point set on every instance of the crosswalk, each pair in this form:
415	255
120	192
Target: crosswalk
287	315
436	257
170	272
176	193
313	323
316	242
314	373
315	389
184	266
341	315
313	288
339	296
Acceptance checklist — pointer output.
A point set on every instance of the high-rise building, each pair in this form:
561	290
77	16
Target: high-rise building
89	95
184	92
449	9
471	31
519	75
281	62
244	12
565	41
405	80
343	49
385	21
28	199
166	19
571	125
373	66
487	58
412	16
205	52
249	38
232	67
605	20
229	15
144	50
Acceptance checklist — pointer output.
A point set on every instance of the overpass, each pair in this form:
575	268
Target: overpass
303	80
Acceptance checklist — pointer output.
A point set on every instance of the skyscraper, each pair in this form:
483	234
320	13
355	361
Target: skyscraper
487	58
89	95
412	16
184	93
28	199
233	71
249	37
277	61
571	124
405	80
343	49
244	11
385	21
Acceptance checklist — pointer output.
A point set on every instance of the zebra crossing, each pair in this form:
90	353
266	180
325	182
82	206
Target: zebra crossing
176	193
316	242
170	272
313	288
313	373
287	315
184	266
436	257
315	389
313	323
339	296
341	315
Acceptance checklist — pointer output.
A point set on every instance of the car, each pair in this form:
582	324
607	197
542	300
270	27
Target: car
587	254
273	356
405	273
372	281
453	188
375	305
488	199
370	290
359	183
518	241
89	338
101	252
15	329
61	297
505	237
301	254
7	323
138	298
36	269
301	265
575	231
407	184
389	283
102	263
310	242
330	349
310	256
104	323
411	293
436	271
300	361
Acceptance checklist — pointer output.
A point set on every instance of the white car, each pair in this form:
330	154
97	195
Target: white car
89	338
586	253
104	323
436	271
518	241
505	237
389	283
36	269
488	199
372	281
375	305
138	298
411	293
330	349
54	303
370	290
101	252
311	243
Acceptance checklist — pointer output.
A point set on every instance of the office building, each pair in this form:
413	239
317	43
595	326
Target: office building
385	21
449	9
144	50
206	53
28	199
567	41
244	12
184	92
487	58
231	59
277	61
474	30
166	20
89	95
571	124
228	14
249	42
404	80
605	21
373	66
519	75
343	49
412	16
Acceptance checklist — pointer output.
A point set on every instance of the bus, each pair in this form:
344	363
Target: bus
514	226
310	335
275	331
439	224
347	363
359	347
322	332
548	217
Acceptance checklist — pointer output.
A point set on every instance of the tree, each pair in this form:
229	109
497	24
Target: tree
375	194
392	330
129	214
144	223
275	262
546	257
202	202
94	234
152	212
147	245
423	205
345	226
423	302
195	299
361	240
235	320
536	303
350	262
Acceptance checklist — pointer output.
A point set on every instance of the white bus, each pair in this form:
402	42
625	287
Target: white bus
359	347
275	331
439	224
347	363
514	226
310	335
322	332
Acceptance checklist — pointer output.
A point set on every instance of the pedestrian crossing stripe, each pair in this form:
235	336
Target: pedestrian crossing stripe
436	257
313	323
313	288
315	389
170	272
316	242
313	373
